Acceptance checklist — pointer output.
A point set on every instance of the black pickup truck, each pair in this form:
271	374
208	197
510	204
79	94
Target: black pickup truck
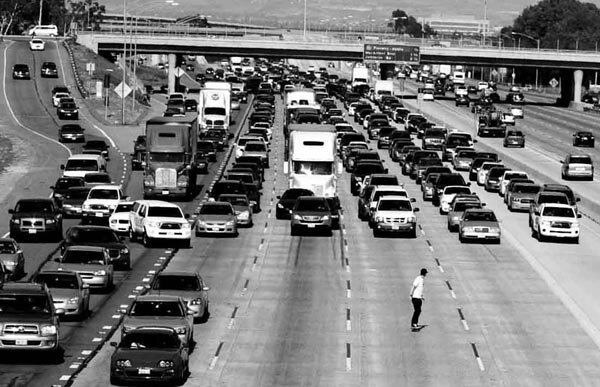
35	218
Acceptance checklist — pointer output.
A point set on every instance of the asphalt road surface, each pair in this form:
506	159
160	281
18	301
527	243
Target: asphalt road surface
335	311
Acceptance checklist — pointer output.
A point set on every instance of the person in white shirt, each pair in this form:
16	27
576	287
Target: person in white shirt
416	296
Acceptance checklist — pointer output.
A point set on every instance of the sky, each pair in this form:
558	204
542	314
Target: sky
374	12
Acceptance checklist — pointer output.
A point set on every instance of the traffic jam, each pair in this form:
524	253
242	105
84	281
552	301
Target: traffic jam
333	131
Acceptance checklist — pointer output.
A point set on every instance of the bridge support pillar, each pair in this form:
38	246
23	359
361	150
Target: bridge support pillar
577	80
171	72
570	89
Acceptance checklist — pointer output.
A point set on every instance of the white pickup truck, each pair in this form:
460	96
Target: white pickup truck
554	220
157	220
395	214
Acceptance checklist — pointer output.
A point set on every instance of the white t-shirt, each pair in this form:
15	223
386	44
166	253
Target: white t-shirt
418	287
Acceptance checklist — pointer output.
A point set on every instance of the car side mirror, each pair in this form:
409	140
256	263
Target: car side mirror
187	216
113	344
536	212
11	211
416	209
278	197
412	200
475	141
562	161
468	184
577	199
483	204
62	166
206	288
578	215
385	170
51	187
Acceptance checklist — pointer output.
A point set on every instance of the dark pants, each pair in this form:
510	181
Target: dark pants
417	302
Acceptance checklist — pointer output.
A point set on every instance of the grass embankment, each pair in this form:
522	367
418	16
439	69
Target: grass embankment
113	114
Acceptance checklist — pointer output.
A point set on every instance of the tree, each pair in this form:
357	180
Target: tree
571	23
87	14
405	24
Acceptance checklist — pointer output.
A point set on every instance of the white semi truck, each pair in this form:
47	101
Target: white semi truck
214	106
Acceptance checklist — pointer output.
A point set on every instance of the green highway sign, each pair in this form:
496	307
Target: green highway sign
391	53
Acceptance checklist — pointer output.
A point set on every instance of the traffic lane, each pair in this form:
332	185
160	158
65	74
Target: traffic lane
383	270
543	165
512	274
224	263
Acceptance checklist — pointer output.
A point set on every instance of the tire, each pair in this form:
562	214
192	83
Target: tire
413	233
146	241
576	240
540	237
186	244
132	235
461	239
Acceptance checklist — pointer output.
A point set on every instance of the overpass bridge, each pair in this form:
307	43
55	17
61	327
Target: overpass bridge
570	63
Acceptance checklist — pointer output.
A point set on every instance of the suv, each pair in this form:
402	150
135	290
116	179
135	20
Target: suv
101	202
28	318
444	180
545	197
155	219
556	221
395	214
32	217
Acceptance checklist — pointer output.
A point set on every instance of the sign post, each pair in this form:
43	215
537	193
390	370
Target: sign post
391	53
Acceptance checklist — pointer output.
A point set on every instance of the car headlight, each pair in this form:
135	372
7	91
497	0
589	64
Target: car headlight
229	223
100	272
48	330
201	223
124	250
16	221
468	229
153	224
411	219
325	217
244	215
181	330
166	363
279	205
86	207
186	226
9	263
182	181
123	363
297	217
148	180
196	301
50	221
545	223
494	229
73	300
113	221
112	207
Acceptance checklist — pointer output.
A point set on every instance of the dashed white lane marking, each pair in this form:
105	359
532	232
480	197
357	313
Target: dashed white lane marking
348	289
232	318
86	352
348	357
107	327
216	357
96	339
348	320
439	265
451	290
476	353
64	378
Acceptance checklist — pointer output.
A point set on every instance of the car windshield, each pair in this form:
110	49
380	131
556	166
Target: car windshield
66	183
164	212
16	304
531	189
456	190
149	340
77	193
7	247
462	206
205	146
108	194
234	200
81	165
255	147
124	207
560	199
83	257
93	235
216	209
157	308
97	178
34	206
311	205
381	193
394	205
58	281
466	154
559	212
313	167
580	160
367	169
484	216
454	141
177	282
166	157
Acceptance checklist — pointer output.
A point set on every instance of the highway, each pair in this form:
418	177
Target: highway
335	311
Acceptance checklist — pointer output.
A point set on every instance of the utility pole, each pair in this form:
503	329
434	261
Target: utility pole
40	17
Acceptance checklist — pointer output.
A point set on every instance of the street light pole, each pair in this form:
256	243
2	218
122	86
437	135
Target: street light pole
124	73
304	29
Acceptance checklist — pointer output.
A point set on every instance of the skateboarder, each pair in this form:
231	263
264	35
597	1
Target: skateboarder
416	296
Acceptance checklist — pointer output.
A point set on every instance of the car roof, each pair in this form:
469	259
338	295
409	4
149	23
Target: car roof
394	197
36	200
23	288
7	240
81	156
178	273
561	205
85	248
106	186
157	297
156	203
483	209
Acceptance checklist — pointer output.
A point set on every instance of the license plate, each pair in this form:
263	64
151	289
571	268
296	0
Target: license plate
32	231
144	371
98	214
311	225
580	169
165	192
21	342
214	229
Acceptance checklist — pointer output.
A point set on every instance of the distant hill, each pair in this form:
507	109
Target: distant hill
366	12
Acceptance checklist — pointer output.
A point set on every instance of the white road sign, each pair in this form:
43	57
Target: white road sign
122	90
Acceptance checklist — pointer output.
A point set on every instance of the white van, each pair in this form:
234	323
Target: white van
44	30
81	164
